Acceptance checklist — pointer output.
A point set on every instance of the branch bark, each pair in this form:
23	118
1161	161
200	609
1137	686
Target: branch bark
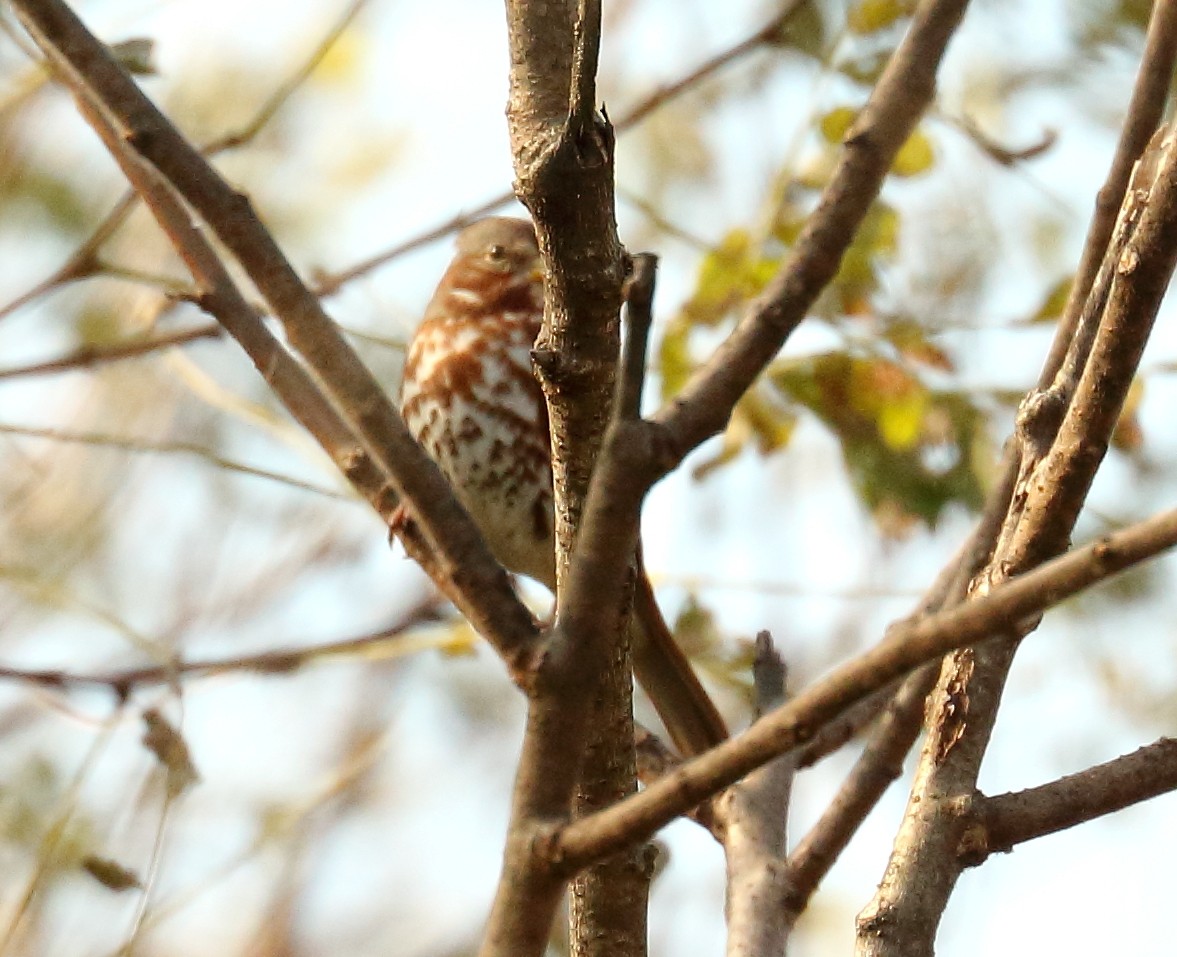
1062	436
907	645
563	158
753	819
997	824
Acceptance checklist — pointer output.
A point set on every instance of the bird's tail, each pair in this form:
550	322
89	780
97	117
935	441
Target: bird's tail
667	677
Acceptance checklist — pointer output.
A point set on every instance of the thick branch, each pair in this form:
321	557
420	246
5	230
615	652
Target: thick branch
997	824
907	646
563	158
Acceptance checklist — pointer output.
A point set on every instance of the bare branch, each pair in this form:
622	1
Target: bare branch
563	159
753	816
89	356
997	824
275	661
1062	437
906	646
762	37
488	598
154	447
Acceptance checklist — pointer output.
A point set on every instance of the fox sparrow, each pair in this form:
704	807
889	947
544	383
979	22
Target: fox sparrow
470	398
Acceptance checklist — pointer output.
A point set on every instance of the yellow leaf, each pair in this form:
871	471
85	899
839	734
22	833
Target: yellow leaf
344	60
834	124
461	641
771	425
914	157
901	421
867	16
1055	301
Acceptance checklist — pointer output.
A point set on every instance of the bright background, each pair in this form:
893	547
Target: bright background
358	805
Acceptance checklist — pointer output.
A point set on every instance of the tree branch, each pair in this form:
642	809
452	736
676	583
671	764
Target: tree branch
906	646
1062	437
997	824
466	563
753	819
272	662
563	158
89	356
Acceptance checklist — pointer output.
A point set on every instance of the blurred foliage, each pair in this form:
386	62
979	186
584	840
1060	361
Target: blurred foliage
109	556
911	449
29	801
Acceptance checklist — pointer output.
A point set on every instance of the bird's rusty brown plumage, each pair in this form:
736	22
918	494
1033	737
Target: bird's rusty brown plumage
470	398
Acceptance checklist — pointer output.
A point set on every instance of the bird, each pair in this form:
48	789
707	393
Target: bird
470	398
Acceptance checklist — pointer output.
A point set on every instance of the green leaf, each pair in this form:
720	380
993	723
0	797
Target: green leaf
910	451
804	29
877	238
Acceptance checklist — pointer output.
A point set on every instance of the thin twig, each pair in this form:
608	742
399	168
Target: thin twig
275	661
89	356
84	261
153	447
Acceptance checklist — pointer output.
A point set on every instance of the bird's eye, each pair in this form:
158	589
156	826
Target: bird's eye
497	252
